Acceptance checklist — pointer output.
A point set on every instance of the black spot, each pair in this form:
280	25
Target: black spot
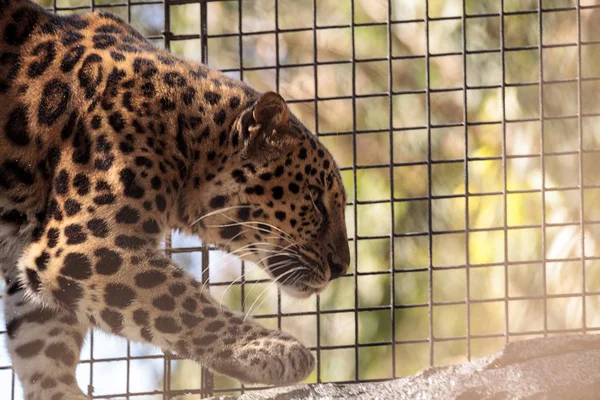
30	349
128	215
69	127
160	262
98	227
109	262
156	183
68	293
104	164
91	74
266	176
77	266
279	171
148	90
220	117
177	289
302	154
190	304
131	188
104	41
280	215
277	192
75	234
181	142
167	105
149	279
46	53
166	325
12	327
71	37
60	352
118	295
218	201
113	319
161	203
146	334
54	210
190	320
144	67
125	147
141	317
188	95
82	184
151	226
212	97
214	326
142	161
205	340
164	303
116	121
55	97
52	236
174	79
244	214
72	207
231	232
16	127
109	29
234	102
34	279
105	199
61	183
294	188
128	242
239	176
117	56
49	383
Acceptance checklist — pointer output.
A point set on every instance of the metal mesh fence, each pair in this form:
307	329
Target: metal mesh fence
468	136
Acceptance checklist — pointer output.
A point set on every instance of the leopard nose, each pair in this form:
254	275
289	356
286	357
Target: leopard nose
338	264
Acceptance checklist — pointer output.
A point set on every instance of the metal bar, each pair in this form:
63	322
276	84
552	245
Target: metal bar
466	179
429	186
542	159
355	193
581	179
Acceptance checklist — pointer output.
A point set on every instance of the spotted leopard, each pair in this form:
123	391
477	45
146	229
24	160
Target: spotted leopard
106	144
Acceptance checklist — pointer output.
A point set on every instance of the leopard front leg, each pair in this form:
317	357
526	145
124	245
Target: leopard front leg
140	294
44	346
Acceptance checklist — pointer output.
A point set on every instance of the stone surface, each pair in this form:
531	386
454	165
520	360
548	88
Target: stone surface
565	367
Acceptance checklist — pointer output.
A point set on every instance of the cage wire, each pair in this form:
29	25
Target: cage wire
467	133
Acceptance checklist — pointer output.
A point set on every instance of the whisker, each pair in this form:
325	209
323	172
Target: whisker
219	211
273	267
268	286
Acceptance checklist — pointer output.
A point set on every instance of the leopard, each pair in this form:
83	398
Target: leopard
108	144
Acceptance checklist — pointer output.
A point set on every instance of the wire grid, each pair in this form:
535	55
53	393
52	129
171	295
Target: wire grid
426	347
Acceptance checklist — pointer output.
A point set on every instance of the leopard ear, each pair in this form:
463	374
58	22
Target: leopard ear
265	129
271	110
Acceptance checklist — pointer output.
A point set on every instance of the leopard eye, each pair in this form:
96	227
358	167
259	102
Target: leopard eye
317	195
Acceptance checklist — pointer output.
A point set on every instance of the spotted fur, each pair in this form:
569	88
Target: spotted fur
106	144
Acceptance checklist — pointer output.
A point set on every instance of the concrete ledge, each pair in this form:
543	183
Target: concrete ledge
565	367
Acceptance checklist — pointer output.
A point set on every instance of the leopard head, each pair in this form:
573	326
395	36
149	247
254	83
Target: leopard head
278	200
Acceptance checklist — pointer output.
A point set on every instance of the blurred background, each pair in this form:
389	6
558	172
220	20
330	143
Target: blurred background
473	189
